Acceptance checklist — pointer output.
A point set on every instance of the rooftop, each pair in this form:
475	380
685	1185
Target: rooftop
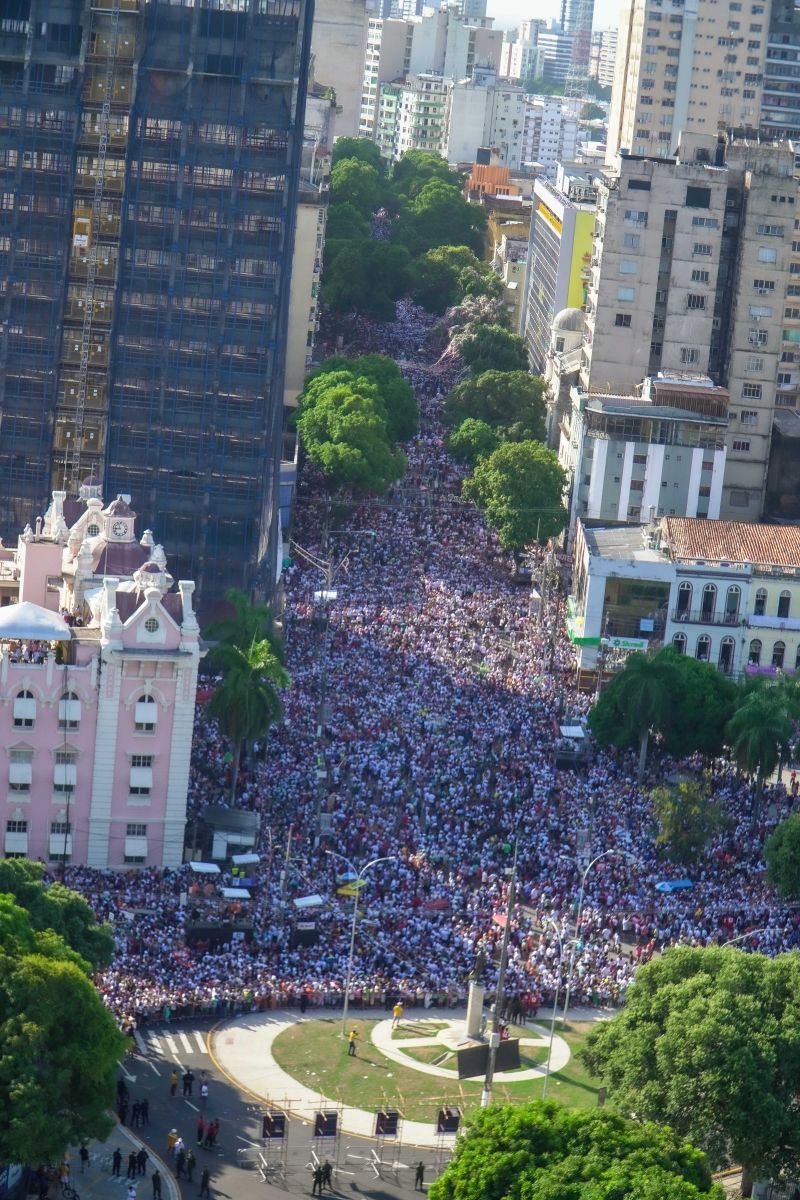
732	541
623	541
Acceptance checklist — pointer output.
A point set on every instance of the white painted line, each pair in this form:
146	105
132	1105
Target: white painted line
201	1041
247	1141
194	1106
153	1065
140	1042
126	1073
173	1049
187	1045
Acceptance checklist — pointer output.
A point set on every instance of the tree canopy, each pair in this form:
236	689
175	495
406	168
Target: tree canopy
520	488
366	277
346	224
782	854
60	1044
245	623
637	702
439	216
760	730
510	401
357	183
442	277
344	431
415	169
396	394
58	909
473	440
544	1151
687	818
709	1043
492	348
362	149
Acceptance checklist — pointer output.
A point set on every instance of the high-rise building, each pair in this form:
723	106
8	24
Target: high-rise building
550	132
577	17
603	56
338	46
693	66
485	112
149	154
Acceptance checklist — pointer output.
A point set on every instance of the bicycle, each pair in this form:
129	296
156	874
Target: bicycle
68	1192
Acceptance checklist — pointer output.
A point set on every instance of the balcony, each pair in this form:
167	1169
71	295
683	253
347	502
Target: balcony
700	616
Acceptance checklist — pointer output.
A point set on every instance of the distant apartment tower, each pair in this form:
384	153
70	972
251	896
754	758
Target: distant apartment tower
338	46
577	17
603	56
149	160
550	133
690	267
692	66
485	112
559	254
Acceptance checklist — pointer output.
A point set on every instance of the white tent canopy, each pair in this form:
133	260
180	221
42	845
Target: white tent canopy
32	622
308	901
245	860
201	868
235	893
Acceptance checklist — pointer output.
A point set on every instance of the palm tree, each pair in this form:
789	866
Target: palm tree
246	703
644	695
760	730
247	623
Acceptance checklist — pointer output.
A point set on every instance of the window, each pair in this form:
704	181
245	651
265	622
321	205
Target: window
631	241
695	301
754	655
146	715
784	378
627	267
769	230
626	293
762	286
61	827
758	337
135	829
141	760
727	649
69	711
705	222
784	604
24	710
684	598
699	276
635	216
760	310
689	355
749	416
778	652
152	625
623	320
679	643
754	365
760	606
16	826
767	255
732	598
743	447
709	601
751	391
698	197
703	651
703	248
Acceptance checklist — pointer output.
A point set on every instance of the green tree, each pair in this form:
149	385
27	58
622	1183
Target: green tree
544	1151
759	732
473	440
367	278
396	394
346	434
519	487
592	112
709	1043
363	149
442	277
59	1044
511	401
245	623
440	216
782	854
415	169
703	702
491	348
346	224
246	703
687	818
536	85
640	700
357	183
58	909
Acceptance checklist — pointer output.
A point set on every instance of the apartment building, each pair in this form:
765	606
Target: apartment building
550	132
484	111
689	273
603	56
139	345
559	257
338	47
422	115
693	66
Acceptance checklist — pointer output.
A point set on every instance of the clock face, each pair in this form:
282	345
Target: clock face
119	528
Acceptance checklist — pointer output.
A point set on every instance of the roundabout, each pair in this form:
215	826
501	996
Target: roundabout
301	1065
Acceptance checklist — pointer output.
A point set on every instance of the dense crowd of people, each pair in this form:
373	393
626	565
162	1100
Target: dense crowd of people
444	690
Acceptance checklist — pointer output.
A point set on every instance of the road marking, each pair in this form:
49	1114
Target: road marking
126	1073
140	1042
153	1065
173	1049
247	1141
201	1041
194	1106
187	1045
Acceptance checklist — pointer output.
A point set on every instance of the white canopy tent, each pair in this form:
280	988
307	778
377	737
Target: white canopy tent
232	893
308	901
245	860
201	868
31	622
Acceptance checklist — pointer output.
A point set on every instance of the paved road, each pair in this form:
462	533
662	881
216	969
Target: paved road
160	1049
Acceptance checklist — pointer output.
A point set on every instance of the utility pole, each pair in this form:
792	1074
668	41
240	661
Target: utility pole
494	1037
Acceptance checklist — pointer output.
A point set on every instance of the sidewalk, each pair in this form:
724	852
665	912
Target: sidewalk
97	1182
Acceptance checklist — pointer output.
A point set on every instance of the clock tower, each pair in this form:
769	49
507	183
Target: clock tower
119	519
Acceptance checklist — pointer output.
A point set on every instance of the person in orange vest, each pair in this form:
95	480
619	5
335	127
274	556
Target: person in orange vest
351	1043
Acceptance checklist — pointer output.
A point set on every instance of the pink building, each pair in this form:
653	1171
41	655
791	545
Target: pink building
98	674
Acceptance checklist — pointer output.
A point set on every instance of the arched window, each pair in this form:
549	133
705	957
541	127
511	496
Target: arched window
703	652
754	655
760	606
69	711
92	530
684	599
679	642
778	651
784	604
709	601
726	651
24	710
732	599
146	715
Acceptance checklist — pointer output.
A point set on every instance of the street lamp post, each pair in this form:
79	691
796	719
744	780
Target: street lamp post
605	854
557	932
359	877
494	1037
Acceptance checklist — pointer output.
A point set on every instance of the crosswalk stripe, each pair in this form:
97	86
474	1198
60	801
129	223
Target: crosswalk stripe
201	1041
173	1049
187	1045
140	1042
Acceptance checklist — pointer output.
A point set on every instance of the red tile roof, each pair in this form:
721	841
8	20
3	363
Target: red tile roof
733	541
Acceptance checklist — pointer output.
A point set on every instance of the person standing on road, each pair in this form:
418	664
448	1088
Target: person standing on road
397	1014
419	1177
144	1112
327	1174
351	1043
201	1130
180	1163
204	1181
173	1082
132	1165
131	1191
172	1138
190	1164
116	1162
141	1162
188	1081
83	1155
203	1095
156	1181
316	1185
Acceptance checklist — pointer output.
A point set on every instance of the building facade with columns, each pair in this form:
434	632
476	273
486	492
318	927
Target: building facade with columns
98	676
